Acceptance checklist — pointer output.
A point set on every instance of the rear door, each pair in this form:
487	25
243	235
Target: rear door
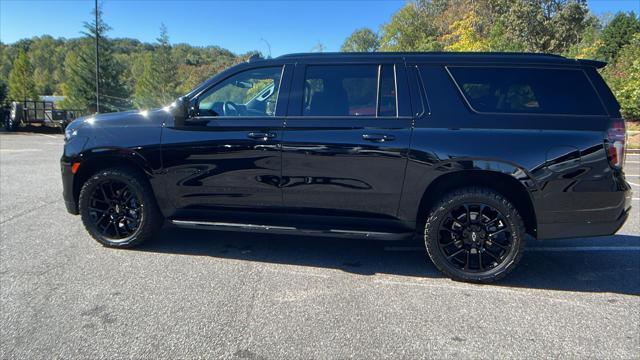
346	138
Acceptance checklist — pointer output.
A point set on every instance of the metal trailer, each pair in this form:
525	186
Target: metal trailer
39	113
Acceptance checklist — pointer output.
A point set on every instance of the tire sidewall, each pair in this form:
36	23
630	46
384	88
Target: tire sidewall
439	214
84	204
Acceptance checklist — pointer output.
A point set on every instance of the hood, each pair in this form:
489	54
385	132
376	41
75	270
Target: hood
154	117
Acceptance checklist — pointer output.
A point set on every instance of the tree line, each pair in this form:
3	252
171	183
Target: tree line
564	27
135	74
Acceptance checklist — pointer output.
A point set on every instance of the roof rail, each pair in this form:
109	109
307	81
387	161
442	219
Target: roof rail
396	53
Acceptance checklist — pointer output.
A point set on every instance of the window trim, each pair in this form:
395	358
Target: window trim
464	97
376	116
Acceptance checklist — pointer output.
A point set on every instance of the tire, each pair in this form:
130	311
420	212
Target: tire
475	235
13	119
111	219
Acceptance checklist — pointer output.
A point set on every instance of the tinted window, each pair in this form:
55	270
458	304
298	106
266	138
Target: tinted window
249	93
349	90
387	99
528	90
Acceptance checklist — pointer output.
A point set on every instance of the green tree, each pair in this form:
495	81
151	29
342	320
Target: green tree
21	85
80	72
589	45
618	33
3	91
413	27
623	76
157	84
547	25
464	36
361	40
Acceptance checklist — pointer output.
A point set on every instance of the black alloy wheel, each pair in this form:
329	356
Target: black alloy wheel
475	237
115	210
118	207
474	234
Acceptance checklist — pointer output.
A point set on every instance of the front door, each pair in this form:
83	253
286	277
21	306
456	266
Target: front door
346	139
228	156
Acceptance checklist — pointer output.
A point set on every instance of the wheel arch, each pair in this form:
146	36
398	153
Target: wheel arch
505	184
101	159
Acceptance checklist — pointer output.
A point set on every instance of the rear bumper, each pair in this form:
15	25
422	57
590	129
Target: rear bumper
597	222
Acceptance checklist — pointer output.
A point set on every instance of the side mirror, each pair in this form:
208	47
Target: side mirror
183	110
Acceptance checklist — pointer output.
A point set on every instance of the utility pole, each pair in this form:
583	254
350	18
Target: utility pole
268	46
97	63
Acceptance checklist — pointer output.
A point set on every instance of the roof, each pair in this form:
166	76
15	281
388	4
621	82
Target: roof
453	56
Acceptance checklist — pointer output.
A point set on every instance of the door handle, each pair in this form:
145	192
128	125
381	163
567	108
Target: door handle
261	135
378	137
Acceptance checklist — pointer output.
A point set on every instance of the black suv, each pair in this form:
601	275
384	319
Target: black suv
470	152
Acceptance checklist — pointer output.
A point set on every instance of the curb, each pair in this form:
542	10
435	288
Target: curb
633	151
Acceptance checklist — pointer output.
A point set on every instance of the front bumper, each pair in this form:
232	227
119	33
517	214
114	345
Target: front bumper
68	189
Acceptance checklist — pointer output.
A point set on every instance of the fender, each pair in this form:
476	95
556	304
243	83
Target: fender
424	169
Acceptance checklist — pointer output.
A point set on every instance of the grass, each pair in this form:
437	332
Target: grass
633	131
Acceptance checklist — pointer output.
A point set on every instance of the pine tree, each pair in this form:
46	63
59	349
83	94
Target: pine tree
21	84
167	69
80	84
618	33
157	85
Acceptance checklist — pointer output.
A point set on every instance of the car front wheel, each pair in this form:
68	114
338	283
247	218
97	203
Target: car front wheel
474	234
118	208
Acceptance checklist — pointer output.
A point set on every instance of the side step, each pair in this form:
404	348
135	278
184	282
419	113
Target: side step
356	234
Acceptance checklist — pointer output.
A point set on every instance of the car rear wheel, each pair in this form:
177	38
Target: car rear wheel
118	208
475	235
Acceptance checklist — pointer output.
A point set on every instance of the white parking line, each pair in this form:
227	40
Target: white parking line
585	248
538	248
50	136
19	150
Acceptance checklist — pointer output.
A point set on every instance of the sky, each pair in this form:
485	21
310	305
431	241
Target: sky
240	26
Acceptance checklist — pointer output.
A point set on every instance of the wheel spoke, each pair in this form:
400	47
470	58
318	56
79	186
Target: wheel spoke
468	210
466	265
104	230
497	232
493	256
104	194
454	254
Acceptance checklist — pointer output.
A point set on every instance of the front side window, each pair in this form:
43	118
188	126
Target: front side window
527	90
249	93
349	90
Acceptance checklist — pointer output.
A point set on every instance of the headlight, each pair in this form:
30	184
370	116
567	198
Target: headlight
69	133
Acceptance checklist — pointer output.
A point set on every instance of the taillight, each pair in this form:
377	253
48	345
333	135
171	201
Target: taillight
615	143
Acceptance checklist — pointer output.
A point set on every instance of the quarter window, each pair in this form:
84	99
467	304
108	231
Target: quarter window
349	90
528	90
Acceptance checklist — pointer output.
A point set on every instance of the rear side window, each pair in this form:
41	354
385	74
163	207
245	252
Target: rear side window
527	90
349	90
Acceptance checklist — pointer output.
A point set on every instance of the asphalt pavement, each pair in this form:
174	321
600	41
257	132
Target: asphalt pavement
202	294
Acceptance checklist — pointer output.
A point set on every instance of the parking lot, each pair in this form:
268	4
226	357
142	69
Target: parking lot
196	293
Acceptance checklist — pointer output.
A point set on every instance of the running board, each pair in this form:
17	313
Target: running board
292	230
